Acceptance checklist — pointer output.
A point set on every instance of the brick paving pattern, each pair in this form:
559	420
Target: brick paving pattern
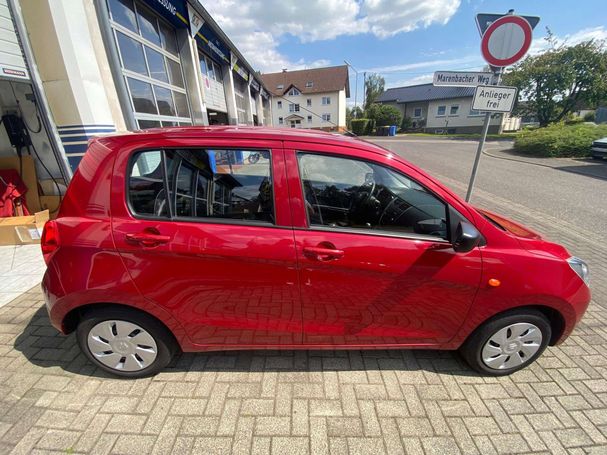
414	402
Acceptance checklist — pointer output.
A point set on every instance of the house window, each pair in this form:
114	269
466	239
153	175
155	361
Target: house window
309	119
453	110
326	100
280	121
417	113
309	84
326	117
475	113
309	102
441	110
280	86
293	107
294	92
279	104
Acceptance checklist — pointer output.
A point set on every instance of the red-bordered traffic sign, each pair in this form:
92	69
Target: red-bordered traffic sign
506	40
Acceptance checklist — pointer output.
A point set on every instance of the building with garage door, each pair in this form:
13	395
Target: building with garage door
90	67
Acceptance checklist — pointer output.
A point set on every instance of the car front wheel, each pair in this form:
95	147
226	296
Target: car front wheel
125	342
507	343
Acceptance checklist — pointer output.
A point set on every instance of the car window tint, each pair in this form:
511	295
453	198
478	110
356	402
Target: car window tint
147	195
349	193
231	184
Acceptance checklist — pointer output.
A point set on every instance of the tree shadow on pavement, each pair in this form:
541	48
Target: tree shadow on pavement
43	346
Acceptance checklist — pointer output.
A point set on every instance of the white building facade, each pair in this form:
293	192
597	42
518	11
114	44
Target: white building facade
314	98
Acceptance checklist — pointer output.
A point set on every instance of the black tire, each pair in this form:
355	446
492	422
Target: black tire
165	343
472	349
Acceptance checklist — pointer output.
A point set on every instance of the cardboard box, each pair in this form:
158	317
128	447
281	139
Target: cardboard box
22	230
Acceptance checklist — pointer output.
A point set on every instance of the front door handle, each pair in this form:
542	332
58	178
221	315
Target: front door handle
322	253
147	238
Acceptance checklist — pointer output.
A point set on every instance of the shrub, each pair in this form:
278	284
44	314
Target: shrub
589	117
406	124
559	140
370	127
384	115
359	126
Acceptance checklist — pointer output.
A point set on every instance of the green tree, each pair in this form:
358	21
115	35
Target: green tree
374	86
384	115
551	85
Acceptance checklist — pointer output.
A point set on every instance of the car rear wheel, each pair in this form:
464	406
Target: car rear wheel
125	342
507	343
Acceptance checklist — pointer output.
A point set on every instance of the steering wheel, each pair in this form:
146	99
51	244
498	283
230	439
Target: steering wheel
363	193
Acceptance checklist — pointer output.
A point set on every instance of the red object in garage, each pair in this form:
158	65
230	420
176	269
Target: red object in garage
12	194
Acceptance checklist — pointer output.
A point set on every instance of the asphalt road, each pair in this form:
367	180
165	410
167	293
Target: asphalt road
573	193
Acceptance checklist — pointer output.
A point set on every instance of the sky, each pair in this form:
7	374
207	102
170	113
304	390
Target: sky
403	40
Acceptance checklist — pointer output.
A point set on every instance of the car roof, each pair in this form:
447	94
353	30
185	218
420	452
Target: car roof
240	132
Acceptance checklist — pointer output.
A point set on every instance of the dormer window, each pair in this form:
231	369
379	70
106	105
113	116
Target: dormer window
309	84
294	92
280	86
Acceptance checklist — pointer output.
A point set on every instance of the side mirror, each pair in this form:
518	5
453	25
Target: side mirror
466	237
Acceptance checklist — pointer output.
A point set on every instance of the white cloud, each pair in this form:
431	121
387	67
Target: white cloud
539	45
440	64
257	26
421	79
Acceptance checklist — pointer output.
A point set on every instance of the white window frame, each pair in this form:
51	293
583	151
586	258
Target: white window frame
326	100
309	119
293	107
438	114
309	102
309	84
278	104
456	106
280	120
326	118
415	114
116	27
294	92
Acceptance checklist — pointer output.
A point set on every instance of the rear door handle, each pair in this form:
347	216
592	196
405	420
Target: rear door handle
148	238
320	253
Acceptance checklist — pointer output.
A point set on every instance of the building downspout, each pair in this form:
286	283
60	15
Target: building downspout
36	83
115	67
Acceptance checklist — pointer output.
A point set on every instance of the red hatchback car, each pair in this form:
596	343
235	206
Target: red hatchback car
217	238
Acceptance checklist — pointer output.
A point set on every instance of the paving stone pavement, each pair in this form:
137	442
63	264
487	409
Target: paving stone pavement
416	402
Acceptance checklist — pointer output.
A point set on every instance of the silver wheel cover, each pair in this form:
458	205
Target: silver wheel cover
512	346
122	345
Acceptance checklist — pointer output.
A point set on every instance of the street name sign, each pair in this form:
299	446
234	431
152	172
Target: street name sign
462	78
492	98
506	40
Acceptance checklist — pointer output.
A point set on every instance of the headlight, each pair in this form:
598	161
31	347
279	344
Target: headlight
579	267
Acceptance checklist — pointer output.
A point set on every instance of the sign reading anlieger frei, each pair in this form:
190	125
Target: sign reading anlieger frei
492	98
462	78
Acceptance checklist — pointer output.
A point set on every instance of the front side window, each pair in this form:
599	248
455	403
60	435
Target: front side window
453	110
417	112
441	110
326	100
196	183
293	107
326	117
356	194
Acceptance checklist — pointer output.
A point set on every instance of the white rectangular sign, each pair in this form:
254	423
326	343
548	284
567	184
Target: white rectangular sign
462	78
494	98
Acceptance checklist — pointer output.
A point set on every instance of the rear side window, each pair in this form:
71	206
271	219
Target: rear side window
197	183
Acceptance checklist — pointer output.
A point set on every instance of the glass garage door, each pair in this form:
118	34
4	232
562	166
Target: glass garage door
151	66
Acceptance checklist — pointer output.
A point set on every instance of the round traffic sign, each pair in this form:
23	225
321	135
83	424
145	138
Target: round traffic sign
506	40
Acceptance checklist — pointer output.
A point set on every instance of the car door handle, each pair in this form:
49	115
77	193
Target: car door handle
320	253
148	238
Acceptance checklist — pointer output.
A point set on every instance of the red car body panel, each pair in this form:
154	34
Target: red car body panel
222	285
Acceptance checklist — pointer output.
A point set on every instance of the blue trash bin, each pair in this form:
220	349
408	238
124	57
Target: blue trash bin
392	131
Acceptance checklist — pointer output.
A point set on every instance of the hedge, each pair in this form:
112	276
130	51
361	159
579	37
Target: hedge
359	126
559	140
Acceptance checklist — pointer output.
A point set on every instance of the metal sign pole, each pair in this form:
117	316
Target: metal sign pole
481	143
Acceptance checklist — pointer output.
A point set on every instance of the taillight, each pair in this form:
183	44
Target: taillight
50	240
